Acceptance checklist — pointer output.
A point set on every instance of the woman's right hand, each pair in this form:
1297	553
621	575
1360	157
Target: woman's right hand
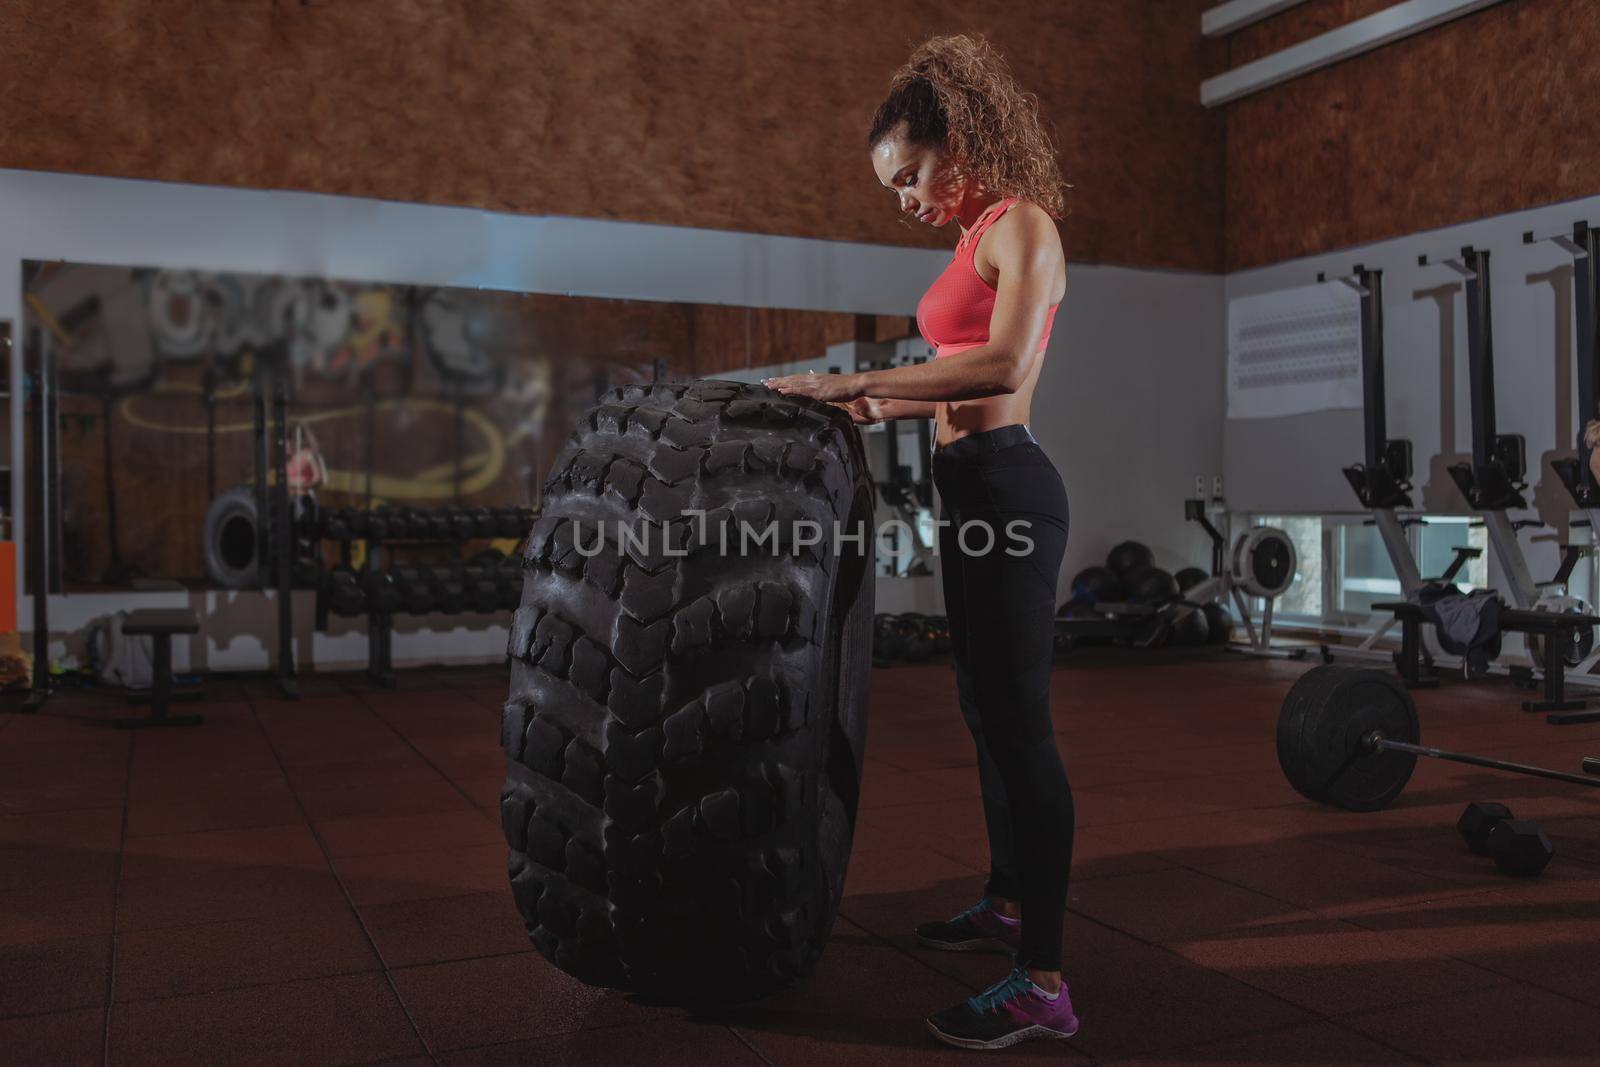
865	410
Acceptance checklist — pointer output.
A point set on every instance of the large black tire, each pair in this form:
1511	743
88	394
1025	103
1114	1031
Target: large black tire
228	539
685	727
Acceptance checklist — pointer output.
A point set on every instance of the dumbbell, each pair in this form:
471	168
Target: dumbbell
463	523
1519	846
344	592
440	523
377	523
383	592
408	522
450	596
505	522
403	524
336	524
483	522
416	590
1478	821
480	577
305	573
509	583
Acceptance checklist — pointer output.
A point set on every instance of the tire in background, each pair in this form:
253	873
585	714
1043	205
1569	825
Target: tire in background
228	539
685	726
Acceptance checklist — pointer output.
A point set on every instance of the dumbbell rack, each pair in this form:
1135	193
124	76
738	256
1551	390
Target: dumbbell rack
410	529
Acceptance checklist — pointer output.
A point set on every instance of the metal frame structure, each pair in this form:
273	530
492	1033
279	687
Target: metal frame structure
43	533
1493	482
1583	243
1382	482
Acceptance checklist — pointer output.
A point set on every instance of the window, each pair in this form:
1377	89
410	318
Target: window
1363	574
1437	539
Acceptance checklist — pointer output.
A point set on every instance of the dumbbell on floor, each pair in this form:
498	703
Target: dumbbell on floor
1478	821
1519	846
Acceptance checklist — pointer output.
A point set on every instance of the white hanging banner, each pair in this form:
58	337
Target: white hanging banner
1294	351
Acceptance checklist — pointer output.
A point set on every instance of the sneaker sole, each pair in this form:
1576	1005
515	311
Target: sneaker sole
965	946
1015	1037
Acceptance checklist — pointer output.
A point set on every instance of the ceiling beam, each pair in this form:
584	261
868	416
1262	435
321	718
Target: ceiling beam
1363	35
1237	14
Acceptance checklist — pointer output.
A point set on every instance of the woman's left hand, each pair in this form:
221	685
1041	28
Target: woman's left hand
832	388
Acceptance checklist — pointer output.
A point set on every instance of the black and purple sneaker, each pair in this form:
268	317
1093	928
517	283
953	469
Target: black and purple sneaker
1010	1011
980	926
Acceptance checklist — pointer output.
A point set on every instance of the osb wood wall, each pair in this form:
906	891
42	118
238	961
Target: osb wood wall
1488	114
730	114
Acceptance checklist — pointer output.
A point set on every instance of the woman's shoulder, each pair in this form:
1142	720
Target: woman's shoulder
1025	222
1026	212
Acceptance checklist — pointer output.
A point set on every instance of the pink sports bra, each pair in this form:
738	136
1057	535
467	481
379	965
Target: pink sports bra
954	313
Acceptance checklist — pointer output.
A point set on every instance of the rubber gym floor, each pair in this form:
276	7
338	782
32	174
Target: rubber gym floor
324	882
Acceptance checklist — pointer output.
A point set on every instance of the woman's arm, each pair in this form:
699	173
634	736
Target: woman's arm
1026	258
870	409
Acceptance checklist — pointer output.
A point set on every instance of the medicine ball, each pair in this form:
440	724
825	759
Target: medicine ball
1150	585
1190	577
887	642
1191	628
1128	556
1219	623
1096	585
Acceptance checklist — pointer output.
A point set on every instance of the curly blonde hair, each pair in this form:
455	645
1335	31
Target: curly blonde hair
958	91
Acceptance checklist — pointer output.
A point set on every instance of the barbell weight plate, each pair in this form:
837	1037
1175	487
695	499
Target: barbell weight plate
1310	689
1321	730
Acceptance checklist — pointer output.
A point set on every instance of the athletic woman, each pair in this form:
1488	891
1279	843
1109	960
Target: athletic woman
957	140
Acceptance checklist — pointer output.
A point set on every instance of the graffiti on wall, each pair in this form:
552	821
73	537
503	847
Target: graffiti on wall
398	394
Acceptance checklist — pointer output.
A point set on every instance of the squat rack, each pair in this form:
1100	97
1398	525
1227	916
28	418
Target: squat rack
43	515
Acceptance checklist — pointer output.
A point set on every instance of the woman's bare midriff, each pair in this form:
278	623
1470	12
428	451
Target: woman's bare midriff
955	419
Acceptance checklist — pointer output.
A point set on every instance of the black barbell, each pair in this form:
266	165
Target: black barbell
1349	737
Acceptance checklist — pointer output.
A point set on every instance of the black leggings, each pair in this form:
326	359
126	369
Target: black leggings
1000	596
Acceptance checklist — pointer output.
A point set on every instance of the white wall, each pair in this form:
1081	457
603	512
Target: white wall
1129	405
1294	464
1130	408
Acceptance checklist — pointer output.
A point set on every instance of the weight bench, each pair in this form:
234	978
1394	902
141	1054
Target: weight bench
1557	628
160	624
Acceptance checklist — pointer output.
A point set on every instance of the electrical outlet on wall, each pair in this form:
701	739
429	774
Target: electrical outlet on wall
1216	485
1199	486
